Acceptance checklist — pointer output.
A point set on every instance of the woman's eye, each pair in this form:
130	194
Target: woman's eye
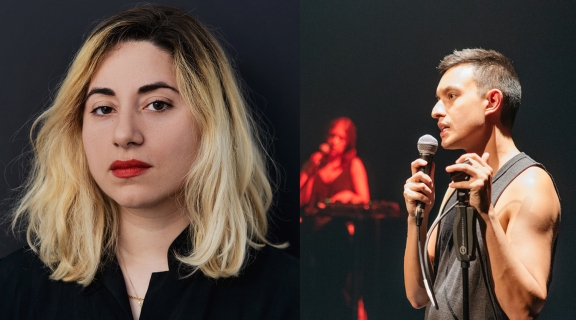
102	110
158	105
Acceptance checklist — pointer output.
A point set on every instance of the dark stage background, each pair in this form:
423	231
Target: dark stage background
374	61
39	40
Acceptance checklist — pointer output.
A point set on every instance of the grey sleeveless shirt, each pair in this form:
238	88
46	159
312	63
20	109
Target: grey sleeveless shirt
448	275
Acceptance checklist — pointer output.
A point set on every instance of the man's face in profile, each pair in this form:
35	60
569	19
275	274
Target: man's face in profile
460	110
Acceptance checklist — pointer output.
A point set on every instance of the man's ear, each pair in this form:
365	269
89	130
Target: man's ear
493	101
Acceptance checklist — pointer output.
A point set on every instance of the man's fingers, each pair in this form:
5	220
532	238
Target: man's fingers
416	164
420	177
483	161
414	196
486	158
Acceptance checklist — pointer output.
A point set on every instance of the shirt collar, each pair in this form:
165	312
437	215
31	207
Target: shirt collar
110	274
181	246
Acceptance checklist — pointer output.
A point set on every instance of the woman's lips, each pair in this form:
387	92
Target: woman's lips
128	169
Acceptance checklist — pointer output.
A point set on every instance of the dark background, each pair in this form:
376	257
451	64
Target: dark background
39	41
374	61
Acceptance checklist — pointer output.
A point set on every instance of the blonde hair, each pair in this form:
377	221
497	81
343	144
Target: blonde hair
73	225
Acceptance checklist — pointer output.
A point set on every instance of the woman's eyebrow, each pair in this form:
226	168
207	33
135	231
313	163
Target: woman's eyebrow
154	86
141	90
104	91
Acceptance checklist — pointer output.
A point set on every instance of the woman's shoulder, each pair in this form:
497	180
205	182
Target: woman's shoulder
20	263
22	273
34	295
278	259
269	283
272	265
22	270
356	162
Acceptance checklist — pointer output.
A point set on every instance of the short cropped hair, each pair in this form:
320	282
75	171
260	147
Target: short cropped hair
492	70
73	225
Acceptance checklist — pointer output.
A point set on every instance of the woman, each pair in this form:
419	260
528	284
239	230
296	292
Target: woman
149	192
335	174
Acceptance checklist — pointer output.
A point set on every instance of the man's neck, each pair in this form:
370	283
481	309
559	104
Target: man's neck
500	146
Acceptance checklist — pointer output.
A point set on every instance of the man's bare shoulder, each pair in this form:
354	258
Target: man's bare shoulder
533	194
537	183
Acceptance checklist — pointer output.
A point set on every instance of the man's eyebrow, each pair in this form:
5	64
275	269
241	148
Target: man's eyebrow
449	88
154	86
446	89
104	91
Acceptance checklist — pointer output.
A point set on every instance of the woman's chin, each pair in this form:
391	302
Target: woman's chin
143	203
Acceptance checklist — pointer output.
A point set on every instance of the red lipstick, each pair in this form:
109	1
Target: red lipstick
129	168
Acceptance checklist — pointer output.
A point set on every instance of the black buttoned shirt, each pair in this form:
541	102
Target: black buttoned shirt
267	288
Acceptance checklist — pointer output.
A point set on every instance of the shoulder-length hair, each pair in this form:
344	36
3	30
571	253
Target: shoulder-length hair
73	225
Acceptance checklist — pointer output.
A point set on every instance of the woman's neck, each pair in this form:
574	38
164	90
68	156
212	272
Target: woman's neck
334	161
146	237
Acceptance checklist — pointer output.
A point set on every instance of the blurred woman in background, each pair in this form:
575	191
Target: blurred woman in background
335	173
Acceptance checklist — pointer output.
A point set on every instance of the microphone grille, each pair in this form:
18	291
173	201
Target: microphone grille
427	144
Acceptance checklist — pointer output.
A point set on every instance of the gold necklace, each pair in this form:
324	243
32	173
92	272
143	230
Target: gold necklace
138	299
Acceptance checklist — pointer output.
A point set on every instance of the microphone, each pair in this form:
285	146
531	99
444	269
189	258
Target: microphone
427	146
320	156
317	158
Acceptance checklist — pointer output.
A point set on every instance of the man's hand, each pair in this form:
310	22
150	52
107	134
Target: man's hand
480	182
419	187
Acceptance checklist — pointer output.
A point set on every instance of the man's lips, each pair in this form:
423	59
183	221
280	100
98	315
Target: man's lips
128	169
442	128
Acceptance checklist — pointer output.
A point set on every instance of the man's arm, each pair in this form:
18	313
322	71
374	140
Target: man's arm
520	249
519	233
419	187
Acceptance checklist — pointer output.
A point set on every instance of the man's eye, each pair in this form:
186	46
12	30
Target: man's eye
158	105
102	110
451	96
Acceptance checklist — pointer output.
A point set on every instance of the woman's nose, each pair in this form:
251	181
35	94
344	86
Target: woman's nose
127	130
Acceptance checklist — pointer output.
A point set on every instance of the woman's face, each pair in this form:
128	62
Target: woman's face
337	139
139	135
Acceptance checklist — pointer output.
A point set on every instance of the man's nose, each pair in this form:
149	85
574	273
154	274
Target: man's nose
438	110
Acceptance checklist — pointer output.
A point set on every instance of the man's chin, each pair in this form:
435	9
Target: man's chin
449	145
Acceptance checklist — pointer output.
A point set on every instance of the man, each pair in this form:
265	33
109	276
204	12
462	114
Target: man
518	209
